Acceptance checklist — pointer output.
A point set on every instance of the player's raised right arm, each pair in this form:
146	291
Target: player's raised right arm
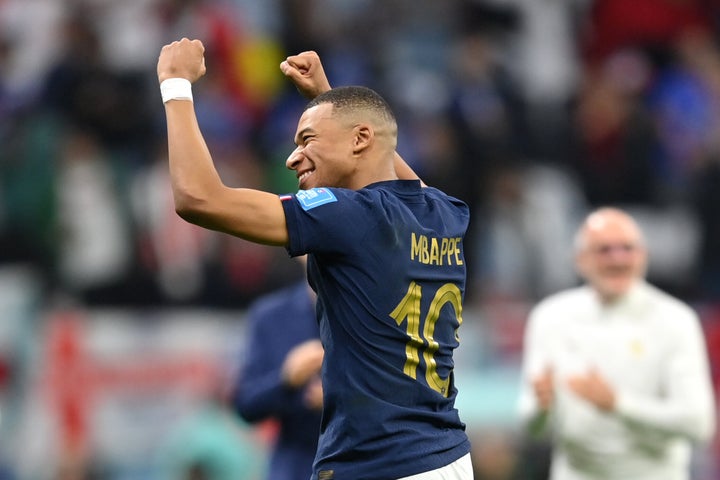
198	191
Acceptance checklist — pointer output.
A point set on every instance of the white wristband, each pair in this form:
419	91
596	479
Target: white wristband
176	89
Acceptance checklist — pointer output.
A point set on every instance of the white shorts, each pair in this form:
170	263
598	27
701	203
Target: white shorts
460	469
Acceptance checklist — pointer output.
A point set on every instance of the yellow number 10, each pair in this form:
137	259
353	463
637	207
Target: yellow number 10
409	308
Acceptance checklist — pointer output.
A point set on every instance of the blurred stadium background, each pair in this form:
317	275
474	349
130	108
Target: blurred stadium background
121	326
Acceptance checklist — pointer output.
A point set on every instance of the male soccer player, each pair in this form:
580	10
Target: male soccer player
385	257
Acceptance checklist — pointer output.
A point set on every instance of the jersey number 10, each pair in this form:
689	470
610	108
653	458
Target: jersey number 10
409	309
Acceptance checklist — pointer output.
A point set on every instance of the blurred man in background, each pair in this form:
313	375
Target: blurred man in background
279	378
617	368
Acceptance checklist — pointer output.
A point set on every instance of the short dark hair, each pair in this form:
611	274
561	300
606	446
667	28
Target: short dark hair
351	98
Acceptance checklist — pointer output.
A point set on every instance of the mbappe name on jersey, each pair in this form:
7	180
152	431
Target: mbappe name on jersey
436	251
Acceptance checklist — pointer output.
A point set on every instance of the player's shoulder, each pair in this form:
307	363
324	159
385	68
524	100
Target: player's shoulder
408	192
401	190
333	199
439	196
315	197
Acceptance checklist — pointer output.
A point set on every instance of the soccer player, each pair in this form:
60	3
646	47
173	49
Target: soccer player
385	257
617	368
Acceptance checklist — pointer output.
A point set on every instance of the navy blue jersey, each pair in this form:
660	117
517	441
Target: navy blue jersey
387	263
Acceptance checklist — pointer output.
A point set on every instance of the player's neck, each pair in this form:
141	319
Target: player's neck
373	172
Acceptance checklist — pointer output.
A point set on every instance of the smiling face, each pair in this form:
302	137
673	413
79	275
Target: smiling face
324	154
611	254
346	138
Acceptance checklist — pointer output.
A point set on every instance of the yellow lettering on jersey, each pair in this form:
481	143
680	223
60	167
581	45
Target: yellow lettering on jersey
436	251
444	250
456	250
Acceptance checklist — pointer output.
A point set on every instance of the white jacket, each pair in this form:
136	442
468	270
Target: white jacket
650	347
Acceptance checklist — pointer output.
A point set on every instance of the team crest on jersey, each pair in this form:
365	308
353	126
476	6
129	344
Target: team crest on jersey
314	197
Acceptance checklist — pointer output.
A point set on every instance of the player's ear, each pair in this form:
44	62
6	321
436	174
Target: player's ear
362	137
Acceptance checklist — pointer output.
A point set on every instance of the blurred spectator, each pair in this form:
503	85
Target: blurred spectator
94	243
616	369
32	28
279	378
524	238
648	24
616	144
28	166
685	102
171	251
125	31
540	53
86	93
483	113
479	134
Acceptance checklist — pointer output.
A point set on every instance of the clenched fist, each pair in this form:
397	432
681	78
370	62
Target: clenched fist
306	72
182	59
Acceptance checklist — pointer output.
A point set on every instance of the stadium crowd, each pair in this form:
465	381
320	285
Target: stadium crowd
532	114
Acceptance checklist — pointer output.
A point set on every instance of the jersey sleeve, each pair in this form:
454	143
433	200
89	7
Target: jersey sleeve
325	220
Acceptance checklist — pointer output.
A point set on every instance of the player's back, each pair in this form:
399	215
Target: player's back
390	301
